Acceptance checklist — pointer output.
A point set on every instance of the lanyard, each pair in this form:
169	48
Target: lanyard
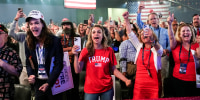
148	59
180	53
158	33
40	55
147	68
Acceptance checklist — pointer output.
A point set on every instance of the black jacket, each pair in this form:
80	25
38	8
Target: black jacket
52	50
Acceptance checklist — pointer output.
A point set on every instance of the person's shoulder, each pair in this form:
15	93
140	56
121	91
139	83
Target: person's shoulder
53	37
125	41
76	35
109	49
10	49
163	29
194	45
84	50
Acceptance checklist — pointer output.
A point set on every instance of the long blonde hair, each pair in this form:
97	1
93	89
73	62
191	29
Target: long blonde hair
90	45
177	35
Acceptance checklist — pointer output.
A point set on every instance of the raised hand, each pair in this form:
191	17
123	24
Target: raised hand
90	22
125	15
140	7
170	19
19	14
119	19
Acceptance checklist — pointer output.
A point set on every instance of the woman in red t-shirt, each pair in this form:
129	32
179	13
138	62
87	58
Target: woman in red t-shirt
183	48
100	61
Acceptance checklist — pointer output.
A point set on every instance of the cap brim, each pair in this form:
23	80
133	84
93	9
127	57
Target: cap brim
66	23
28	18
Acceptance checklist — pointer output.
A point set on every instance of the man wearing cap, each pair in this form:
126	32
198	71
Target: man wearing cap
10	66
67	39
41	47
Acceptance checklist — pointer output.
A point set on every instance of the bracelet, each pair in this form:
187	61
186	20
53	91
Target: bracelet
16	19
115	31
88	27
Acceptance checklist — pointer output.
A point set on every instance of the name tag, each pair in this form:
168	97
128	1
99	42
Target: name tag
183	68
41	69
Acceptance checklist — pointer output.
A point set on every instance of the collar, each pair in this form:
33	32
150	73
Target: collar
155	28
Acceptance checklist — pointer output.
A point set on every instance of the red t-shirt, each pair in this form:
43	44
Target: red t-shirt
98	78
190	74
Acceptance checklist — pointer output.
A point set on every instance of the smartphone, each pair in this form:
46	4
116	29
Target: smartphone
111	22
77	41
85	21
20	9
145	29
101	19
92	17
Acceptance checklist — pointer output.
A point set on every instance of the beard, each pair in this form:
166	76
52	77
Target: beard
67	31
196	24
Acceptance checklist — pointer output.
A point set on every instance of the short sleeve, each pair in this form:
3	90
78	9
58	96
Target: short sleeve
113	60
83	55
194	46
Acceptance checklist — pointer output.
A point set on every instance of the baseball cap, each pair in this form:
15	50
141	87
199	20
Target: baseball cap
65	21
34	14
3	29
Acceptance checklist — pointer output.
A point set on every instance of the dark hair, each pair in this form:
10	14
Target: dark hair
72	34
108	36
135	29
44	37
195	15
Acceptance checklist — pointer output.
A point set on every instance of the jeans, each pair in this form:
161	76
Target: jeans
108	95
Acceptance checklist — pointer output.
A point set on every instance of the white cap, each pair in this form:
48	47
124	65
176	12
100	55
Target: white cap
34	14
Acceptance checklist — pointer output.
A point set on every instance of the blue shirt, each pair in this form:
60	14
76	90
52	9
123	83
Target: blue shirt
127	51
161	33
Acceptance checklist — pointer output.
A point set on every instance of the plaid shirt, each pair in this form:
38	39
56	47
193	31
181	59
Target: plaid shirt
127	51
7	80
68	43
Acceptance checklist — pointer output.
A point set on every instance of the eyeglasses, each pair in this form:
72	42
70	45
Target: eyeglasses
174	24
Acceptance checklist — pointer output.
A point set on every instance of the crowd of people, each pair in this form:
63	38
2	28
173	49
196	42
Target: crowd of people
143	55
